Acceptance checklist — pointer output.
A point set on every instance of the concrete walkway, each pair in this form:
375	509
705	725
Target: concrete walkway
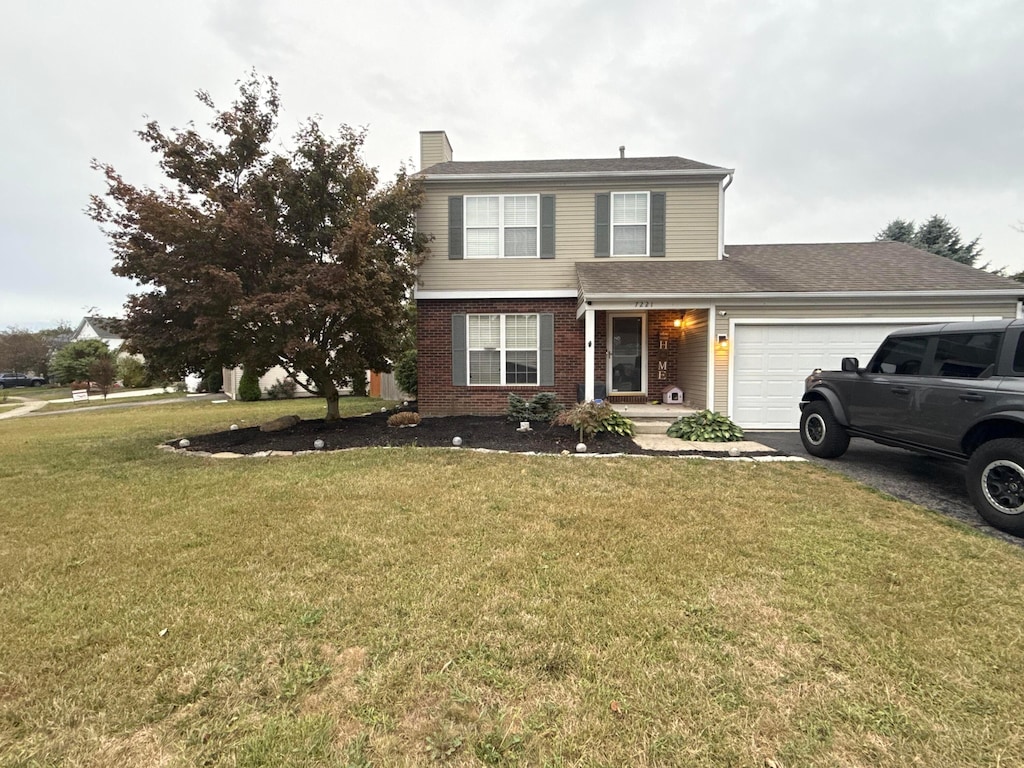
26	407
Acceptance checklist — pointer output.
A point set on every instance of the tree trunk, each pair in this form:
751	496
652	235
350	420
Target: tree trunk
332	396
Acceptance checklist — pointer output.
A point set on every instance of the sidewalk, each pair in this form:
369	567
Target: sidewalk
95	401
116	395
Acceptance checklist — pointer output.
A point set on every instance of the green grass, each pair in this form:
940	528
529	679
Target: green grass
433	607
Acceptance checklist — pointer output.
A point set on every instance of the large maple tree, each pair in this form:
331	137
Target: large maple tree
251	254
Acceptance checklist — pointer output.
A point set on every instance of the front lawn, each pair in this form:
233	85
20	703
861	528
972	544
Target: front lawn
413	606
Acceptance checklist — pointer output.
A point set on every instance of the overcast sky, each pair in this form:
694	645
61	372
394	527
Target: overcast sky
837	116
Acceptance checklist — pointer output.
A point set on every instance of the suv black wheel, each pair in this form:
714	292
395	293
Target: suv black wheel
995	482
822	435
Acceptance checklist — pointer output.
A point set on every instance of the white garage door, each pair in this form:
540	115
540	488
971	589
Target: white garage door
770	363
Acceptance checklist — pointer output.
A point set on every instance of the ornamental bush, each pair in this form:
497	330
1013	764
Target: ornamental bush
705	426
543	406
406	373
249	387
591	417
133	373
282	389
403	419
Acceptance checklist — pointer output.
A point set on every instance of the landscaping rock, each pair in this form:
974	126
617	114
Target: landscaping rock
280	423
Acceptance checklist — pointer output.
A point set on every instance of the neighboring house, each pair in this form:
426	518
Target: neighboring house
98	328
611	277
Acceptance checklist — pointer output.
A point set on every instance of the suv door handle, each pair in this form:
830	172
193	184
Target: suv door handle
901	390
972	397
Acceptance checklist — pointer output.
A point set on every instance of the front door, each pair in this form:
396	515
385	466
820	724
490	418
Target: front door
626	353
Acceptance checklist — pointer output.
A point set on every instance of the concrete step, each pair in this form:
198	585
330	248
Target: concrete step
650	426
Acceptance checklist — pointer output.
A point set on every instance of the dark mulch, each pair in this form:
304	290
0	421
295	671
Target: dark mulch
493	432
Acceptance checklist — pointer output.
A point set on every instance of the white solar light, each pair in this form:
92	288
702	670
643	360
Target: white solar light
457	441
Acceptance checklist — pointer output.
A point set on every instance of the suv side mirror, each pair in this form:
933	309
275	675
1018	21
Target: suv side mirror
851	364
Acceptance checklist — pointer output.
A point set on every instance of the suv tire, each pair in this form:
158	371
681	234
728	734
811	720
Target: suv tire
821	433
995	482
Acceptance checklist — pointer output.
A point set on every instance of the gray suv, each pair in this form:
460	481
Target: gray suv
954	390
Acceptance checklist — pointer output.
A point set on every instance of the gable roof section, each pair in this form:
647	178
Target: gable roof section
808	269
100	326
631	166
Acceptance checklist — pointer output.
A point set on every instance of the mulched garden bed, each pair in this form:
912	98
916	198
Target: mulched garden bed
372	430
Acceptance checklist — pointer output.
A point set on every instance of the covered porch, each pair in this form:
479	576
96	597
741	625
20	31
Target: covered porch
641	355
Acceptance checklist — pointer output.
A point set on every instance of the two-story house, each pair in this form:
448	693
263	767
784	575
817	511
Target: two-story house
611	278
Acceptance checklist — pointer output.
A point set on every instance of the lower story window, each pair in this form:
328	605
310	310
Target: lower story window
503	349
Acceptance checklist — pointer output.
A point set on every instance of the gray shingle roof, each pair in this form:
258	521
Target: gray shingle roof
598	165
875	267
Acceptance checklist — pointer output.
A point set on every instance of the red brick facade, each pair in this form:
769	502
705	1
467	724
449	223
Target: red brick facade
437	395
662	351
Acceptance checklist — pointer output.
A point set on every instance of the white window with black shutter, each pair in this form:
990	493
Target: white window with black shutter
501	227
503	349
629	224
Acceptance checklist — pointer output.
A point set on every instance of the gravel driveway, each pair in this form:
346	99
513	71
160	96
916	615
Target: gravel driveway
934	483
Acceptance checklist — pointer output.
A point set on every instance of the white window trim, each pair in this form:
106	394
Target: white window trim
501	226
612	225
502	349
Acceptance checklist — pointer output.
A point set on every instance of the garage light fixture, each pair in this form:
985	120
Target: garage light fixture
723	340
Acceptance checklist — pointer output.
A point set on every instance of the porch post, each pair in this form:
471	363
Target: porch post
588	355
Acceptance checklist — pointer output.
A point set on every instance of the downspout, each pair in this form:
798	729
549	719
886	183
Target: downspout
721	216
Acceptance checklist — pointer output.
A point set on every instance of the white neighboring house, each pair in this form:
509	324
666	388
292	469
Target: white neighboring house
98	328
378	384
232	376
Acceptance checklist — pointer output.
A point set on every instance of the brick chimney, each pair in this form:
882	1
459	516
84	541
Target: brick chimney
434	148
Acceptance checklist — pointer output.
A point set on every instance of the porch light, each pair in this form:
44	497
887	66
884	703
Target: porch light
678	322
723	340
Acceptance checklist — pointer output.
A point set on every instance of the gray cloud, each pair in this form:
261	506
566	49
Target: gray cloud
838	116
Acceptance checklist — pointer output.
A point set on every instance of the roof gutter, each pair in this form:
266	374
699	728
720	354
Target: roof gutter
650	296
707	172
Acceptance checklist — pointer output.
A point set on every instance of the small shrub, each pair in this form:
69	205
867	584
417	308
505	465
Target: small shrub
543	406
133	373
213	381
249	387
406	375
403	419
590	418
705	426
282	389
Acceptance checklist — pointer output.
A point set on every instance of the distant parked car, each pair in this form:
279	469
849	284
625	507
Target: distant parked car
8	380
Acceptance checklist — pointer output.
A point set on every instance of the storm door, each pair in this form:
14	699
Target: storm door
626	353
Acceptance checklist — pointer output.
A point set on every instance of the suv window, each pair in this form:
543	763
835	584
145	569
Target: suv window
966	355
1018	356
900	355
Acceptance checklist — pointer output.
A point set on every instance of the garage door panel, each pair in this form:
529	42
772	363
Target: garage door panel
771	361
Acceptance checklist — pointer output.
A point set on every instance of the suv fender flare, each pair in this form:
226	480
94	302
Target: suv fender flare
832	399
993	426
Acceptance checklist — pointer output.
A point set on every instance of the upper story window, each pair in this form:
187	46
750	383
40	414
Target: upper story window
630	218
502	226
629	224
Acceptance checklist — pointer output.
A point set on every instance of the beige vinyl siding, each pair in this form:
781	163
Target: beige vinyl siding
434	148
693	357
691	233
863	311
